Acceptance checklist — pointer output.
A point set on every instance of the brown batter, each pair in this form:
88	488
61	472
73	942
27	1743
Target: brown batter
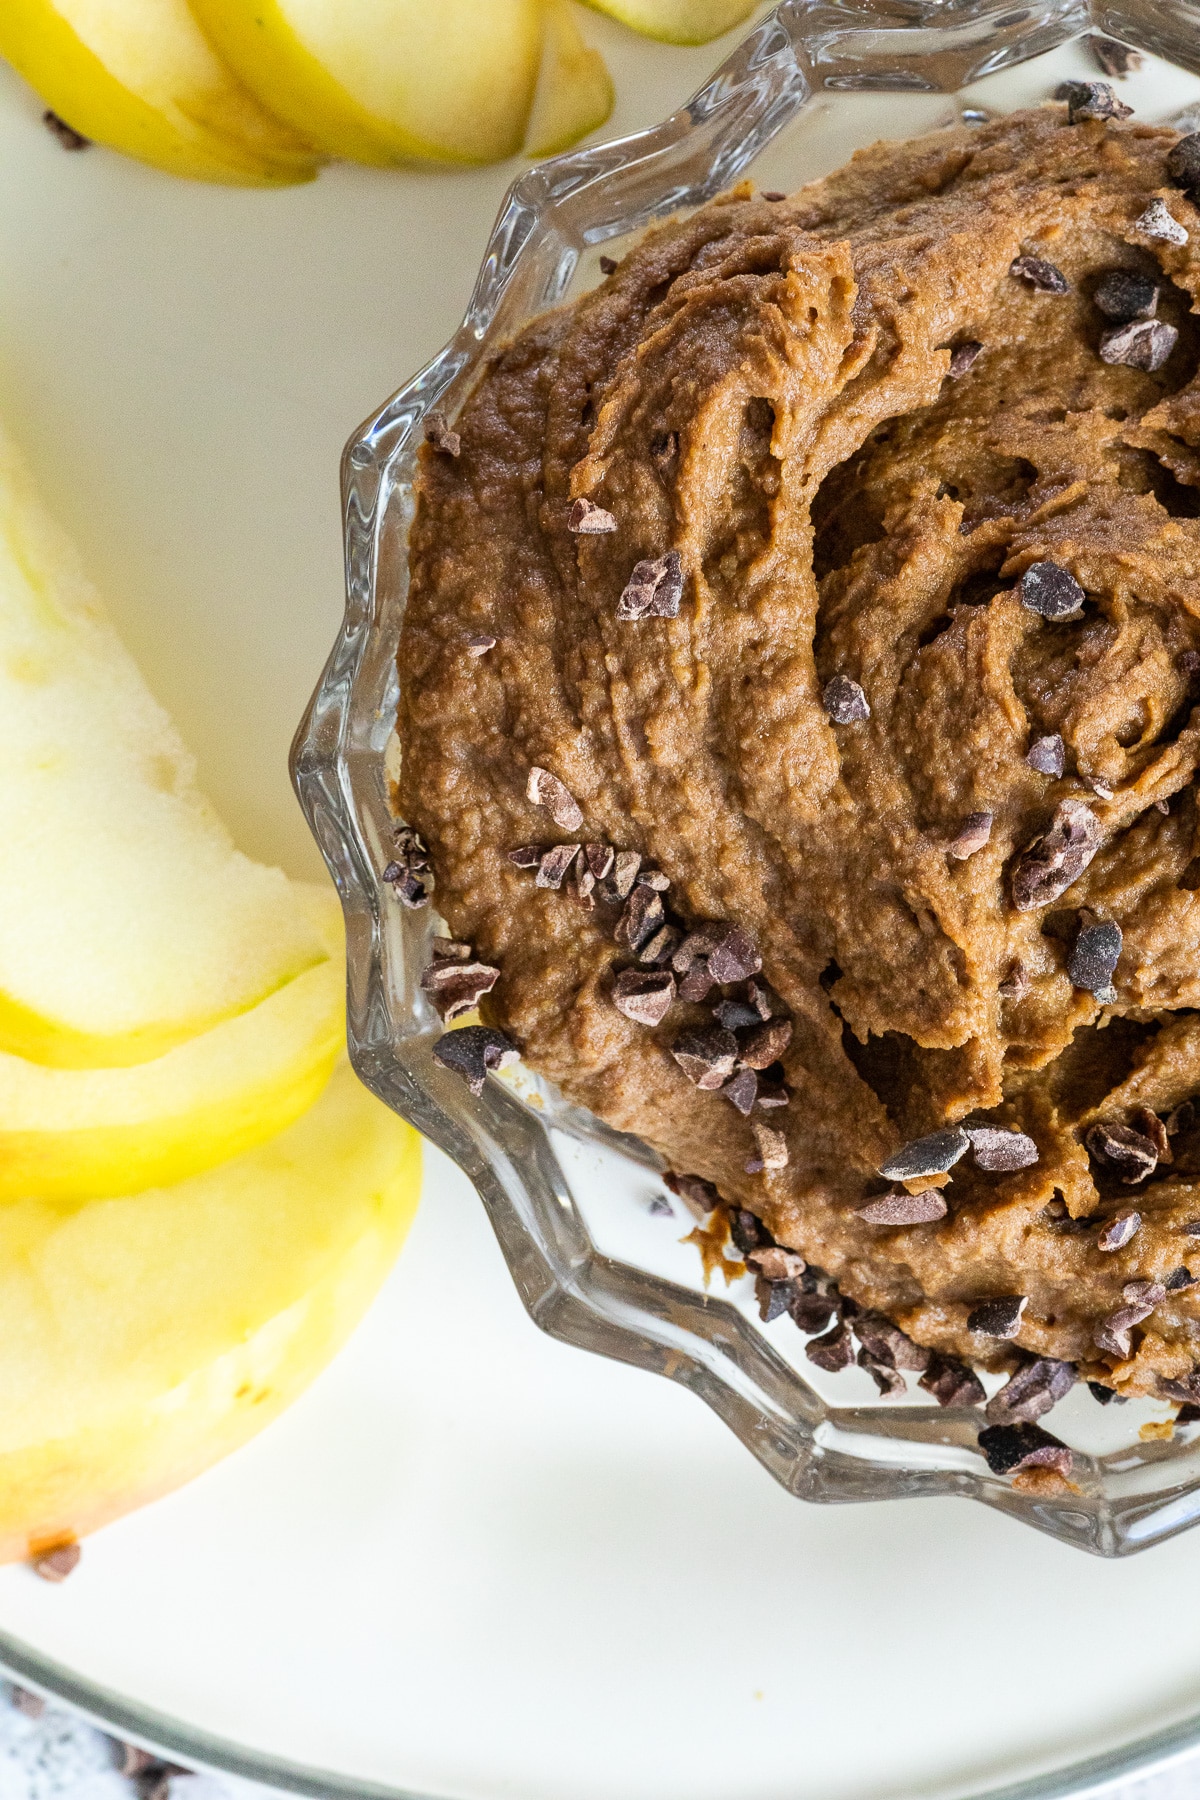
789	396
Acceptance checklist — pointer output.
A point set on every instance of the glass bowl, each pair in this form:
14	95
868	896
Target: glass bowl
581	1217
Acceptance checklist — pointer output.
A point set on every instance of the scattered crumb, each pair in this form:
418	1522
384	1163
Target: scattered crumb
1044	1484
1157	1428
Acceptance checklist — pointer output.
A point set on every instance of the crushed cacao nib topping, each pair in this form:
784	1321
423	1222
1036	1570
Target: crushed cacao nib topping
887	1379
1112	1333
1091	100
608	265
1119	1231
439	436
546	790
1031	1391
696	944
887	1343
900	1208
812	1312
762	1044
1183	162
555	864
599	858
935	1154
999	1317
586	519
449	948
1000	1151
774	1298
951	1382
1145	344
1157	222
1186	1390
478	643
625	867
697	984
474	1052
527	856
1094	958
654	590
1039	274
1152	1127
409	874
1009	1448
733	956
580	884
963	357
748	1231
742	1091
1126	1149
68	137
1047	755
772	1150
1180	1280
972	835
735	1015
699	1196
833	1352
1048	866
1104	1396
1122	295
643	917
654	878
844	701
1016	983
772	194
772	1093
759	998
776	1263
456	986
1050	590
1114	58
644	998
659	949
706	1057
1143	1292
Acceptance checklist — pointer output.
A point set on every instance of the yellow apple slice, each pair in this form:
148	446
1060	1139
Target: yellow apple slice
146	1337
387	81
128	921
140	76
677	21
75	1134
574	91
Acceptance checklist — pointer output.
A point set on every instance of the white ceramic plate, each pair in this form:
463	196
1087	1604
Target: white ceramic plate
471	1562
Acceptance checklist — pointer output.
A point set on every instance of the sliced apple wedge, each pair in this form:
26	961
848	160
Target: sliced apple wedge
574	92
387	81
128	921
75	1134
146	1337
677	21
140	76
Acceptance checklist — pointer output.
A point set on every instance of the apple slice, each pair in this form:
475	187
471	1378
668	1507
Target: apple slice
677	21
146	1337
140	76
74	1134
574	91
386	81
128	921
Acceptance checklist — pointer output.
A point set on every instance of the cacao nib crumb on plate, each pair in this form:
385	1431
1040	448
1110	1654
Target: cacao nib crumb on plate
1009	1448
699	1196
473	1052
608	265
410	873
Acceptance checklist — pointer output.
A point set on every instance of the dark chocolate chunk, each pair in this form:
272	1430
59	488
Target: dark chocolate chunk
642	919
1157	222
555	864
733	956
1119	1231
900	1208
1094	958
887	1379
608	265
773	1297
742	1091
644	998
1039	274
934	1154
1050	590
68	137
812	1312
706	1057
1024	1446
883	1339
1091	100
951	1382
962	357
474	1052
1047	755
1122	296
1126	1149
699	1196
833	1352
1112	57
587	519
997	1318
1145	344
1054	861
1029	1393
762	1044
546	790
409	875
527	856
1000	1151
845	701
439	436
654	590
457	987
971	835
748	1231
1183	162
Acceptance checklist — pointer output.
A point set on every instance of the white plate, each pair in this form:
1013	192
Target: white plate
470	1562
